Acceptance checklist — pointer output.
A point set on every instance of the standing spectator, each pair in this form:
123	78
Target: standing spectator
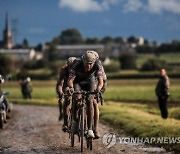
23	84
29	88
1	81
162	92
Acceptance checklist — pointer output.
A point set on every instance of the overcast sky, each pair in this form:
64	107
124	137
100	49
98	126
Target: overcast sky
41	20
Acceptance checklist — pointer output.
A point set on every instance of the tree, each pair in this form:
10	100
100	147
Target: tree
92	41
153	64
132	39
39	47
52	52
107	40
6	65
71	36
119	40
25	43
127	61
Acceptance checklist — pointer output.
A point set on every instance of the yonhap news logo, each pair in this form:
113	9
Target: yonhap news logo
110	139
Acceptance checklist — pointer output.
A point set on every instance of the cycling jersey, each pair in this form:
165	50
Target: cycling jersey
78	72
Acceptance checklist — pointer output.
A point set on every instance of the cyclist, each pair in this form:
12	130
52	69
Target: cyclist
82	76
61	88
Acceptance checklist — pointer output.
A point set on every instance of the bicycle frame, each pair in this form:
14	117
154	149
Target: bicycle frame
82	117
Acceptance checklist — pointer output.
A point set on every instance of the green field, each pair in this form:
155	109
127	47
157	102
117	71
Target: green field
129	105
137	121
117	90
138	90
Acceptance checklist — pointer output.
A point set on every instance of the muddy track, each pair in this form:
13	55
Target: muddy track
35	129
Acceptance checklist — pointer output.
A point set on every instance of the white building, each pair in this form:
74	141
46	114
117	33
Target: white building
65	51
19	54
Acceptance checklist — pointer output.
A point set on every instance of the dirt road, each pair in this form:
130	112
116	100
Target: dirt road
35	129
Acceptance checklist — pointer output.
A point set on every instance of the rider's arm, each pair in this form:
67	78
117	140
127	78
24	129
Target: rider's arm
70	82
99	74
100	83
59	86
60	82
71	78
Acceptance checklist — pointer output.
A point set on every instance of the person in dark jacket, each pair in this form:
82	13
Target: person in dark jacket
162	92
23	84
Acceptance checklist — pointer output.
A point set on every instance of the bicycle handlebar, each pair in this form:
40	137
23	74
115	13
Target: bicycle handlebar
98	94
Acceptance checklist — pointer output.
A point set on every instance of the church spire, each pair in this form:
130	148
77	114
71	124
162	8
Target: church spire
8	43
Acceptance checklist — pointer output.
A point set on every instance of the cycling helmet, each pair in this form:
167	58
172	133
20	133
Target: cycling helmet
89	57
96	54
70	60
1	79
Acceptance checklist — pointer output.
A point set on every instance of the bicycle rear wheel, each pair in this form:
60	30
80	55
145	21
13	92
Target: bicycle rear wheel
82	128
1	121
72	139
89	143
71	133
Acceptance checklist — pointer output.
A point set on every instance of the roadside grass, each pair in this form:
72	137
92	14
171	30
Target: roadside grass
152	108
139	123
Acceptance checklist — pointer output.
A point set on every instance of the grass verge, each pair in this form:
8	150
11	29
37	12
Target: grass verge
139	123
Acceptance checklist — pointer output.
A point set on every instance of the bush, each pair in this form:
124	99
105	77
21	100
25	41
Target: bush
35	64
41	76
153	64
111	68
6	65
128	61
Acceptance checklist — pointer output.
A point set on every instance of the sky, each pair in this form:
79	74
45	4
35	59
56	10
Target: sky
40	20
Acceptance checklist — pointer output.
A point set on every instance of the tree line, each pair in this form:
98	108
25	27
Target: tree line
73	36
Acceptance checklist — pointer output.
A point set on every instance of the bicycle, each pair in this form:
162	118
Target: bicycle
82	118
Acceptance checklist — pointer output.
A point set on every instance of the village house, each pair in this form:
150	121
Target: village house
65	51
19	54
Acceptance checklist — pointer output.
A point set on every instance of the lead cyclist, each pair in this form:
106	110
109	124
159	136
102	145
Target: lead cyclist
86	74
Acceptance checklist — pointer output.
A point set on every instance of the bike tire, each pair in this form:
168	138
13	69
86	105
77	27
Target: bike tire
90	143
72	139
71	133
1	121
69	123
87	142
82	128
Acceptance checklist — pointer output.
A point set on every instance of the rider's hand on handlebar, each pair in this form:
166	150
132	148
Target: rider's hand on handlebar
71	91
98	90
60	95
